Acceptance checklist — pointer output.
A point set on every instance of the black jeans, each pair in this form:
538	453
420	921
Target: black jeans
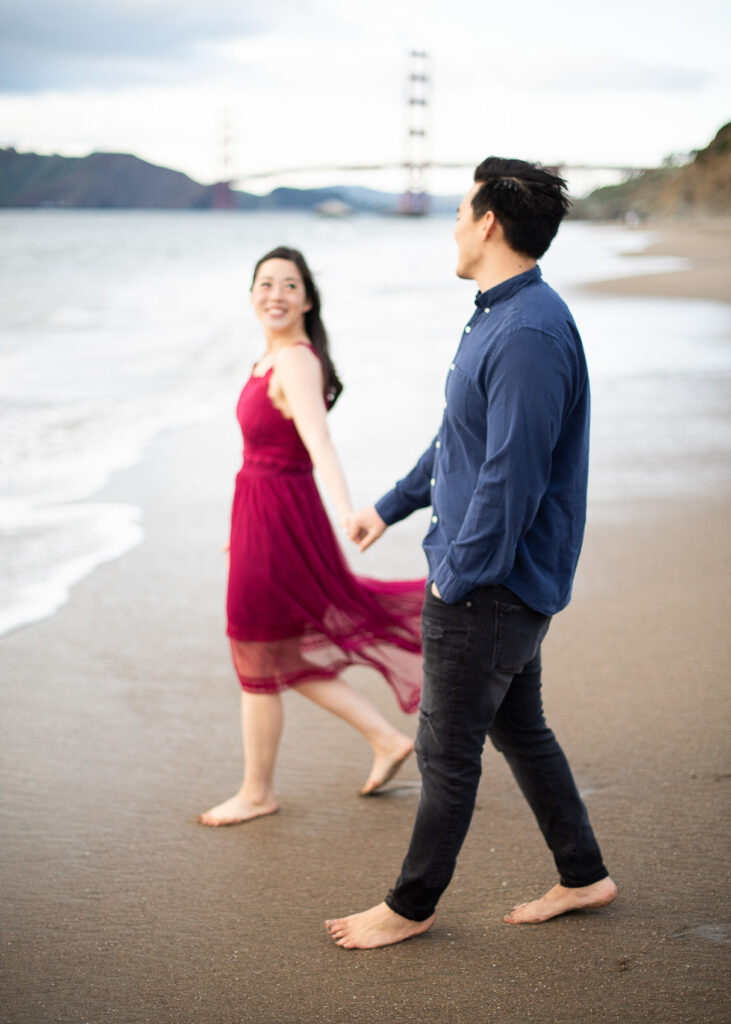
482	677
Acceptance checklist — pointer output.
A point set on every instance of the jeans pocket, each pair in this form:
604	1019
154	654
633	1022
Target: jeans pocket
519	632
446	630
439	602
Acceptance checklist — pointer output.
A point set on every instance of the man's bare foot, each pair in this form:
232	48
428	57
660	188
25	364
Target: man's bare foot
561	900
376	927
385	765
237	810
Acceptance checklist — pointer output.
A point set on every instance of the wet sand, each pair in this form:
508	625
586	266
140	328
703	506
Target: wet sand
120	725
705	242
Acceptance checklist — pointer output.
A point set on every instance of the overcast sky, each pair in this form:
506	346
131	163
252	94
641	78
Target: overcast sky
322	82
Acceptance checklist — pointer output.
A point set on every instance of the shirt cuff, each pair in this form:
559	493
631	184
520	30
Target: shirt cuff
452	588
390	508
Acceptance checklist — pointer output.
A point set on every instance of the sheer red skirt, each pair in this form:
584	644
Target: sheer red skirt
295	610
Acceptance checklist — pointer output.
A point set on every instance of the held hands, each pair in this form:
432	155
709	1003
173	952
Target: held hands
364	527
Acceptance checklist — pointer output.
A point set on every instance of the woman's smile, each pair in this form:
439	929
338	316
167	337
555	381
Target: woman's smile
279	297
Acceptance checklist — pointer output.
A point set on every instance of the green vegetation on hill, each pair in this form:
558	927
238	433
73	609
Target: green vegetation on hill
702	186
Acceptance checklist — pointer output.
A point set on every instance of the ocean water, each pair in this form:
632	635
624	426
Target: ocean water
116	326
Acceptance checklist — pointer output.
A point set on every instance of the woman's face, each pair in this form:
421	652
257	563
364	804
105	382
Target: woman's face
278	296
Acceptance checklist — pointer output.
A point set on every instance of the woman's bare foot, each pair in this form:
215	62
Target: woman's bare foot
386	763
236	810
376	927
561	900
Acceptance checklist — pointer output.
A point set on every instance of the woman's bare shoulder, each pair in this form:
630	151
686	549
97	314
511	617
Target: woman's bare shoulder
297	357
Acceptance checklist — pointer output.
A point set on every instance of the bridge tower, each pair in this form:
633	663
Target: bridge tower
415	200
222	198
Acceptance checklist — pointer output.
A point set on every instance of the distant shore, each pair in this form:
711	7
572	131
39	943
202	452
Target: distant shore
704	241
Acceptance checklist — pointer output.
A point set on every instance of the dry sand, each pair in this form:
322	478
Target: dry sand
120	725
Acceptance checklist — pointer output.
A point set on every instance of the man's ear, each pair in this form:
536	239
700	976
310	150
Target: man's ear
488	225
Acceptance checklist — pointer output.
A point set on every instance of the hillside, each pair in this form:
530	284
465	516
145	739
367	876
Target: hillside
702	186
99	181
119	181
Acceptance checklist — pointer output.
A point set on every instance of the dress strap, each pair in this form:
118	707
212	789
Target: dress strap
307	344
311	347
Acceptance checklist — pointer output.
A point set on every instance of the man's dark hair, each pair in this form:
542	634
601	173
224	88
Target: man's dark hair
528	200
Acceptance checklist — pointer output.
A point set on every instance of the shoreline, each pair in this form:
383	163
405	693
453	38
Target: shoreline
704	241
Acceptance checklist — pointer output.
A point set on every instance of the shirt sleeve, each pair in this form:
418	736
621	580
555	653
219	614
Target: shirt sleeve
528	386
411	492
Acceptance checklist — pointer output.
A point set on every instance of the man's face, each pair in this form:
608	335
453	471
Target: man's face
468	237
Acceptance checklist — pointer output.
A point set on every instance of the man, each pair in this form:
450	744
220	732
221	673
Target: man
506	477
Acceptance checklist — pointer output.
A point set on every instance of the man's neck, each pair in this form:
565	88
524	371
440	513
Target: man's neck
501	266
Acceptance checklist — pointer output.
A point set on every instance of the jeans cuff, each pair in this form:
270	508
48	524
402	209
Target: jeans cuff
396	907
580	883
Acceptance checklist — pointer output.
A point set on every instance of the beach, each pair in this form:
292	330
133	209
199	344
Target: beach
120	725
704	242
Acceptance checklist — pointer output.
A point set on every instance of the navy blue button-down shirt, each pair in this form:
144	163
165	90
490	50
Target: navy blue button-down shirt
506	475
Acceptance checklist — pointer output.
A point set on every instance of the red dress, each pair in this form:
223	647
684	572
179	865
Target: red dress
295	610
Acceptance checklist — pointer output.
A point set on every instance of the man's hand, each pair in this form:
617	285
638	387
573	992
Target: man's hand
435	592
365	526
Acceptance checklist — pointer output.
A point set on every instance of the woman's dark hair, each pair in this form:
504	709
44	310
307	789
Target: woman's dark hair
528	200
313	323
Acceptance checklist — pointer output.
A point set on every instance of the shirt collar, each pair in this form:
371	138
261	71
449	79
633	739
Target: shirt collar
506	289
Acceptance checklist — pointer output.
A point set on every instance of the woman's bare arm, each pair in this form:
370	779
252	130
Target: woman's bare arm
298	375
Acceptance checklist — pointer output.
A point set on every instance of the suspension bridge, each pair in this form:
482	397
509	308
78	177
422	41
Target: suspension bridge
415	166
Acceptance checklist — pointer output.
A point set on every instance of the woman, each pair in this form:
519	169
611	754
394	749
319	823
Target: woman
297	616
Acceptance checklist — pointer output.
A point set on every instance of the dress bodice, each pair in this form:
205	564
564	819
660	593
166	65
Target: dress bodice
271	441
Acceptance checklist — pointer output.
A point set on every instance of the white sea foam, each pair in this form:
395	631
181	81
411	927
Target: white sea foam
44	551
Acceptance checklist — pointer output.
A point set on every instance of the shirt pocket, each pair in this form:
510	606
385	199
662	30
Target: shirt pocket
465	403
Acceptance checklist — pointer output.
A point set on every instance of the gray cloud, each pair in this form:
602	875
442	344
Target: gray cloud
85	43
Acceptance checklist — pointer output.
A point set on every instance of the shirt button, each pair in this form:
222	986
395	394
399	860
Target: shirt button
451	366
432	481
435	519
467	329
486	309
438	444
